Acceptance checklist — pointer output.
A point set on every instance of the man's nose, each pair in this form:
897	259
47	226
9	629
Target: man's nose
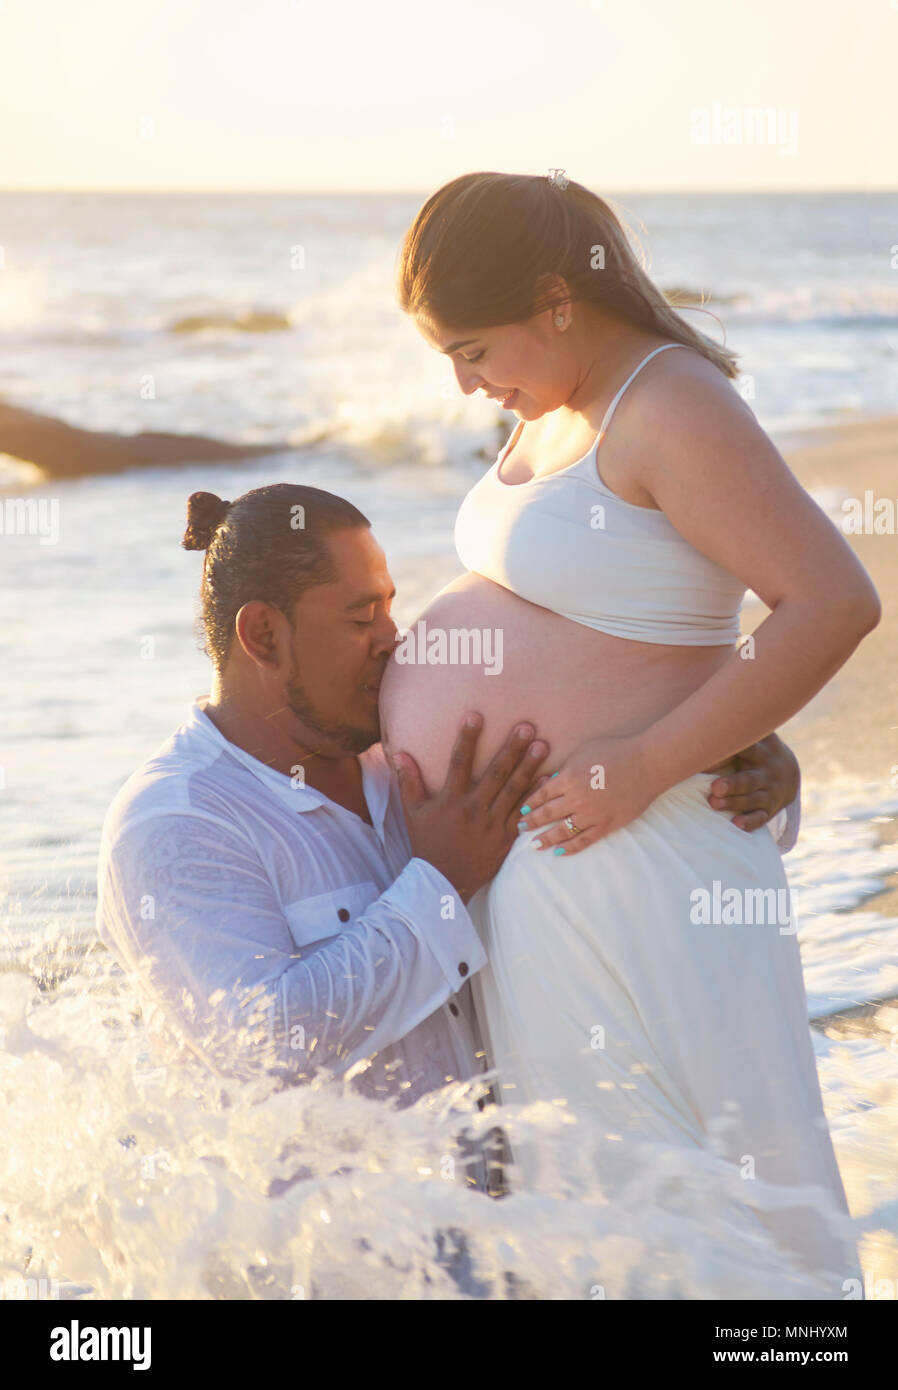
385	638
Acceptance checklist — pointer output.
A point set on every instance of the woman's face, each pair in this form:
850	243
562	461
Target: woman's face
523	366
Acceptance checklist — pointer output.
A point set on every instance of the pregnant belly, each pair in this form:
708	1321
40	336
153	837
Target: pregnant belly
482	647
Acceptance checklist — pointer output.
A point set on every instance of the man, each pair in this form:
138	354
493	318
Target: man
258	871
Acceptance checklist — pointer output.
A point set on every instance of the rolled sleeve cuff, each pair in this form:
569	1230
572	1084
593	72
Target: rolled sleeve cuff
431	907
785	825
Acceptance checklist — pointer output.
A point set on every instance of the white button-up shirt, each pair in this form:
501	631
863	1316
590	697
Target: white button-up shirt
279	930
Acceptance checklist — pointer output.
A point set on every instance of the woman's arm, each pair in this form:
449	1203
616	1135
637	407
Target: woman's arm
710	467
728	491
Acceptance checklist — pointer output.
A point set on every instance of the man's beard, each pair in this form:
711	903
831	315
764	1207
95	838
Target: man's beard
351	737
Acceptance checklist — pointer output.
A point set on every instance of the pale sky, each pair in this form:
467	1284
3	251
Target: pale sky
404	94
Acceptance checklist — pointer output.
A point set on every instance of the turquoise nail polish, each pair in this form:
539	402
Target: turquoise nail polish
559	849
522	825
525	810
554	774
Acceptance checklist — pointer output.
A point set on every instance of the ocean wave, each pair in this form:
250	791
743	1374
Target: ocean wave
826	306
838	865
157	1180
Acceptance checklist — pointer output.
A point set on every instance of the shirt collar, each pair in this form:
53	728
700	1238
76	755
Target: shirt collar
376	775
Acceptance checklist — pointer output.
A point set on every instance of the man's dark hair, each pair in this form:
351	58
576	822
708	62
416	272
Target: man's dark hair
270	545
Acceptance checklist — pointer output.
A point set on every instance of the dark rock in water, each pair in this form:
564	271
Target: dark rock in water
65	451
254	321
683	295
196	323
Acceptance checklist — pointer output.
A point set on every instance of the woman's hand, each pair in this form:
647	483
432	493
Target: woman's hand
605	784
755	784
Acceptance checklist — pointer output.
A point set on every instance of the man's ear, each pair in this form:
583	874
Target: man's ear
260	632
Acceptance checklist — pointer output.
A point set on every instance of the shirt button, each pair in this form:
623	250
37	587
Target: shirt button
453	1009
463	968
343	914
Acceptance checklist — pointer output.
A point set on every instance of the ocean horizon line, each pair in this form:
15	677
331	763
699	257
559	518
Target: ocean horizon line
676	192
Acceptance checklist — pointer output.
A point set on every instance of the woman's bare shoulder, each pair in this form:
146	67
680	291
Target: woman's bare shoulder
680	401
679	379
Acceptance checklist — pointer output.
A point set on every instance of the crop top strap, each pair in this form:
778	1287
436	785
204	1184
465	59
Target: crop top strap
613	406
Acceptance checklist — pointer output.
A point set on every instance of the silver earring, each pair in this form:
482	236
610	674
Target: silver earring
559	320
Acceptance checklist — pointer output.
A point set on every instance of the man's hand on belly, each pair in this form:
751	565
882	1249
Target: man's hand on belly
467	829
756	783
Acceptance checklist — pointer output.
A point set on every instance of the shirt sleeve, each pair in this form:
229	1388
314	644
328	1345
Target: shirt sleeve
785	825
185	901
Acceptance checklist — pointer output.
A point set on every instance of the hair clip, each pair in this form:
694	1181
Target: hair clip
556	178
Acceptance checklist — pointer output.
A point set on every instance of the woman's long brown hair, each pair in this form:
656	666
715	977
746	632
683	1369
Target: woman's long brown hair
480	250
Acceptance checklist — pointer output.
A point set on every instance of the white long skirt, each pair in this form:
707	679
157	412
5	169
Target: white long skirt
647	983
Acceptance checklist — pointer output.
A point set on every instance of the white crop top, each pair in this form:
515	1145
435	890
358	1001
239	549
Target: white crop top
563	540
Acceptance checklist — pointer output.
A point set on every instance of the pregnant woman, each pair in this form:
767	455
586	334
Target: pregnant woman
643	962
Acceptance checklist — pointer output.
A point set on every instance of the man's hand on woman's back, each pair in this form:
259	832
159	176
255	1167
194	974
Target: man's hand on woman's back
757	783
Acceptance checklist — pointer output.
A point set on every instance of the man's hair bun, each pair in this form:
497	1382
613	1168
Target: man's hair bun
205	513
